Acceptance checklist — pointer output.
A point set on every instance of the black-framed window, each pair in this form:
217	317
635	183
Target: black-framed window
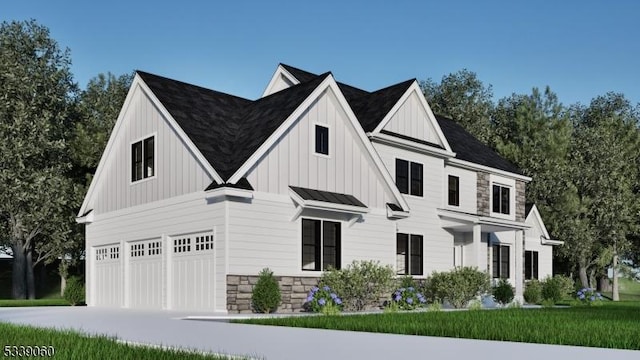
454	190
530	265
322	140
409	254
143	159
500	263
409	177
321	244
501	199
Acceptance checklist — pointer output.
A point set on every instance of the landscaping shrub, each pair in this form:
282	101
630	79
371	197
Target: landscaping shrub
503	292
457	287
361	284
324	300
589	296
407	281
552	291
408	298
533	292
265	296
74	291
566	284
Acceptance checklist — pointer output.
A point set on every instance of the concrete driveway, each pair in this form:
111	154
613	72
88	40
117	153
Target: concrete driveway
267	342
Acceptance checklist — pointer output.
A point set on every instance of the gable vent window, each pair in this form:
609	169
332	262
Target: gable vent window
322	140
143	159
409	177
501	199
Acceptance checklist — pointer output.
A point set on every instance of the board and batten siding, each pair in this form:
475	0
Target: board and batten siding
165	220
424	220
177	170
532	242
412	120
348	169
468	183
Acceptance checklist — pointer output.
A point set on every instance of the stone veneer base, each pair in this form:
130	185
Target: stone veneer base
294	291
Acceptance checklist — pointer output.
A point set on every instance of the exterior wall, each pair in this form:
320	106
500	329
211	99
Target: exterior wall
506	238
263	233
163	220
280	83
177	171
520	200
348	169
468	183
545	252
293	289
412	120
424	220
483	193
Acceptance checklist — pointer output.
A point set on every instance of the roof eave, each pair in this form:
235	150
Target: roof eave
473	166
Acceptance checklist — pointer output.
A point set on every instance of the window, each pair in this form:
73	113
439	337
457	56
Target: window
142	159
137	250
454	190
322	140
530	265
182	245
114	252
500	261
204	242
501	199
155	248
320	245
409	254
409	177
101	254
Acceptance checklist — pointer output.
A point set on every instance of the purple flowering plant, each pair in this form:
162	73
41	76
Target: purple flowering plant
589	296
324	300
408	298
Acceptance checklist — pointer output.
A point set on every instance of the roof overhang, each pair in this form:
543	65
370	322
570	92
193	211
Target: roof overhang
475	167
87	218
545	241
409	145
228	192
465	222
395	214
327	206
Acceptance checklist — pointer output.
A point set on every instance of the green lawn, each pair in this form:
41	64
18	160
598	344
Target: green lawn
73	345
612	325
629	290
36	302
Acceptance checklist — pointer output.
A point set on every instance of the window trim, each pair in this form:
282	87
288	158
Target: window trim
456	191
533	257
319	245
500	261
141	140
408	269
409	177
313	143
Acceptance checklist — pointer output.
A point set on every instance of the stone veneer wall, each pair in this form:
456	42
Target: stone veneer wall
294	291
483	193
520	200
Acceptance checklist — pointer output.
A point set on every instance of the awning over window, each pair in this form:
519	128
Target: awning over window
327	200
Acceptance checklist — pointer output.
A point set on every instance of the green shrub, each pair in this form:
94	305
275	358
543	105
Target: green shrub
74	291
361	284
475	305
434	307
503	292
408	298
552	290
266	297
406	282
533	292
323	300
567	286
458	286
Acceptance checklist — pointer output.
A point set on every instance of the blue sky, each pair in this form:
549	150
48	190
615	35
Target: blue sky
581	49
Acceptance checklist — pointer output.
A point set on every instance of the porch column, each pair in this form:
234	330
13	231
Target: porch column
519	259
477	246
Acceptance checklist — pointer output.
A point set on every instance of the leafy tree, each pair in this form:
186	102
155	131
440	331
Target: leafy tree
464	98
38	94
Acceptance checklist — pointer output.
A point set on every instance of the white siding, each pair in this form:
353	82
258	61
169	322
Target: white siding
163	219
424	220
468	189
348	169
411	120
545	252
507	238
177	171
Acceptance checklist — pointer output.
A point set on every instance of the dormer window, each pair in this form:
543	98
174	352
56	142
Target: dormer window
322	140
143	159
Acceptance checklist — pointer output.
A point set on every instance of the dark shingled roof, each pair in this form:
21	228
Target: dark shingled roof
394	207
527	209
241	184
405	137
327	196
468	148
227	129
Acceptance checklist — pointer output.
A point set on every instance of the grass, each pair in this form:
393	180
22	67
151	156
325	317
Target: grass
73	345
629	290
36	302
612	325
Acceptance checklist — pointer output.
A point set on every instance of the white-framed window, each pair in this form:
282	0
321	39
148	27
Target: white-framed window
321	244
321	139
409	254
409	177
453	190
143	159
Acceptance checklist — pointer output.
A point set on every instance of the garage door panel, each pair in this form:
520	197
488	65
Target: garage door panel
193	271
108	276
146	274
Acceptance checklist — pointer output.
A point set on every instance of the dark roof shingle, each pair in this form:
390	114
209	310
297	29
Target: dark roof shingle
327	196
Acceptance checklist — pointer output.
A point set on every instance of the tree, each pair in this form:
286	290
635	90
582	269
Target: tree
38	94
465	99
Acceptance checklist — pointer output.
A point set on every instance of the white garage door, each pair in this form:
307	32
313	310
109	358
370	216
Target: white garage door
107	277
192	271
145	274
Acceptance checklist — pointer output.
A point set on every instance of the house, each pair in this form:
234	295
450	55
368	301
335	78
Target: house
198	190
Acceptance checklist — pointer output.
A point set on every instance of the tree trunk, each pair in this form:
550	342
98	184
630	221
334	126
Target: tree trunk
63	270
18	277
31	280
615	293
582	272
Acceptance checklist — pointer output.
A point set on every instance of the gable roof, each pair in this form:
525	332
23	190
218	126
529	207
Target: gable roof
470	149
227	129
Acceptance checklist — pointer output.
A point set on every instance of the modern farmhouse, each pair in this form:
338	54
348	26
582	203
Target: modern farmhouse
198	190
